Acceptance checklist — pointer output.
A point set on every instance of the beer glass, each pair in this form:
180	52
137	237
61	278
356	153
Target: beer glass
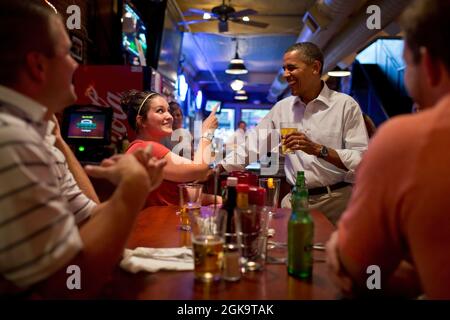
285	129
207	232
190	203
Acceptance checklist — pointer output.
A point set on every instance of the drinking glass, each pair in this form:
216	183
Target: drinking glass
207	232
285	129
272	187
190	203
252	226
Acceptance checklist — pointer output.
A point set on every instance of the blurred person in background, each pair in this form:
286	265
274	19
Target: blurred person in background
238	137
180	141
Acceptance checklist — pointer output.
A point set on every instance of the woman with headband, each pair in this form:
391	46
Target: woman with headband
149	116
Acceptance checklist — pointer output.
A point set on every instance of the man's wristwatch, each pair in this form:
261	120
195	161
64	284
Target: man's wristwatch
323	152
208	136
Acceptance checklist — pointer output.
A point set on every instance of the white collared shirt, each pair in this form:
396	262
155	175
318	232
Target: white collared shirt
333	119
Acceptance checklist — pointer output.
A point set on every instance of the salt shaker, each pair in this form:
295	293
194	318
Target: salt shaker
232	267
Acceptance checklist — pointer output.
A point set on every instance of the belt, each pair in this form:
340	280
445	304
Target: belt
323	190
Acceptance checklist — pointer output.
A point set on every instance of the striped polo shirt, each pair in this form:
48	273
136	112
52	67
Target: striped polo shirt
79	204
38	232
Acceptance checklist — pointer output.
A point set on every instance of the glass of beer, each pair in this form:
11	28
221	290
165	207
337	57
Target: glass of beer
207	232
285	129
190	203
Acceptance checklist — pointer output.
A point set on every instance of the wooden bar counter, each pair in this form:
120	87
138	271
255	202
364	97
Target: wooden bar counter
157	227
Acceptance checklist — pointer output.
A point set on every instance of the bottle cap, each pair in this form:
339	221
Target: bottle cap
252	179
243	188
243	179
257	196
232	181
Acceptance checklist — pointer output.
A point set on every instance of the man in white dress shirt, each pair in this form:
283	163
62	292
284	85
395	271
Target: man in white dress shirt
331	139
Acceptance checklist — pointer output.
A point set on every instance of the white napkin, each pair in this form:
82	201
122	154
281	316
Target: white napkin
154	259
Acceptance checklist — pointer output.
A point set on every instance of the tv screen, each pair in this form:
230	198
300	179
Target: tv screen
134	40
171	43
87	125
211	103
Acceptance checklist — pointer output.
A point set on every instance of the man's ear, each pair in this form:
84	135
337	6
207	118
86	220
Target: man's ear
35	66
431	67
316	67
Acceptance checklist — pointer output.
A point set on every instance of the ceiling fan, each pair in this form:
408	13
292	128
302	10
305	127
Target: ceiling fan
224	13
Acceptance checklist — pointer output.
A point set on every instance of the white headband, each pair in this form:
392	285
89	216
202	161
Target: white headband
143	102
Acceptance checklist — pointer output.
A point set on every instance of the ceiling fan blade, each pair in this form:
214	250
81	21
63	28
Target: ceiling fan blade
223	26
243	13
193	11
252	23
183	23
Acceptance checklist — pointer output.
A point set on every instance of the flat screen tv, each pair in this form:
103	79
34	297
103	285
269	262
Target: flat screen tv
171	44
134	39
87	125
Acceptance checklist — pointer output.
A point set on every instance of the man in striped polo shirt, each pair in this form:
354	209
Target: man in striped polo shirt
40	216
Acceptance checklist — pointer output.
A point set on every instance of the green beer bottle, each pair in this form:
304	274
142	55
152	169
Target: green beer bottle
300	232
300	188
